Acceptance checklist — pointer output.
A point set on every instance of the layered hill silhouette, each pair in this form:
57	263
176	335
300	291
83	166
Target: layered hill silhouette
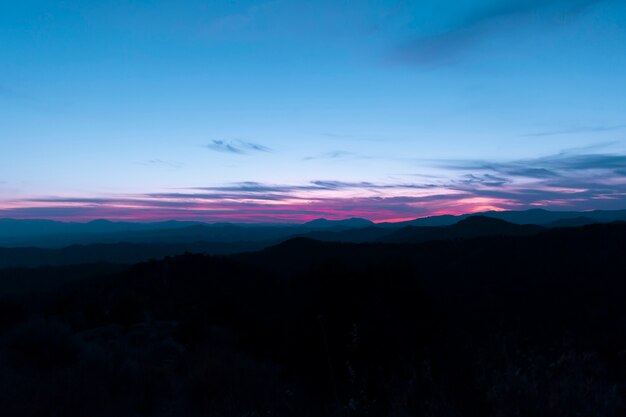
203	239
351	223
118	253
469	227
539	217
46	233
141	245
521	321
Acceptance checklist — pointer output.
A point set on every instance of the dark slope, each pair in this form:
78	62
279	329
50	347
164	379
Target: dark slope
199	232
545	246
574	222
539	217
365	234
495	326
430	221
45	233
144	245
120	253
207	233
474	226
26	228
469	227
545	217
37	280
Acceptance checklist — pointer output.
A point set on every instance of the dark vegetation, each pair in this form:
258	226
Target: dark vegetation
522	323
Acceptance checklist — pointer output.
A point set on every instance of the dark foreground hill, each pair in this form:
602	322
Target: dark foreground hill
493	326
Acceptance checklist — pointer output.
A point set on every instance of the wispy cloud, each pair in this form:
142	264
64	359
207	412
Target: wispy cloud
488	180
562	164
448	46
164	163
239	147
576	130
567	179
572	179
329	155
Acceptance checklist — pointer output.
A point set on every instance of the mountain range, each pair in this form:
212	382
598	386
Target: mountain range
483	317
225	240
48	233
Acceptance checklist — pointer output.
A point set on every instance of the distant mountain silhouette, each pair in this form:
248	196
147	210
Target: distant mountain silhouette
182	234
470	227
140	246
430	221
334	224
17	228
118	253
53	234
489	226
545	217
574	222
533	216
473	226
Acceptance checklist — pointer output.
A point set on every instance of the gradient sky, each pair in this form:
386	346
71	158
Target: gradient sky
289	110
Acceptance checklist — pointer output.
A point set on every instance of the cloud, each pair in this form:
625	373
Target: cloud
329	155
571	179
488	180
568	179
239	147
575	130
245	202
256	187
448	46
553	166
316	185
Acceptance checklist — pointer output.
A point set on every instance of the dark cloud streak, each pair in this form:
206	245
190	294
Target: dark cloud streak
569	179
575	130
329	155
238	147
447	47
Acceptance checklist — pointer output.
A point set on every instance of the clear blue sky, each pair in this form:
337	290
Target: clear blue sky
287	110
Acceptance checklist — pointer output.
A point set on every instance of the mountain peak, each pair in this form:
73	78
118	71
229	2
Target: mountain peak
353	222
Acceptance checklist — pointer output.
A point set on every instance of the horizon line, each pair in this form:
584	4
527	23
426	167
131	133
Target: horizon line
287	223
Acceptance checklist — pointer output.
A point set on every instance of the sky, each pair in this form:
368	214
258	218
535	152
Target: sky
290	110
